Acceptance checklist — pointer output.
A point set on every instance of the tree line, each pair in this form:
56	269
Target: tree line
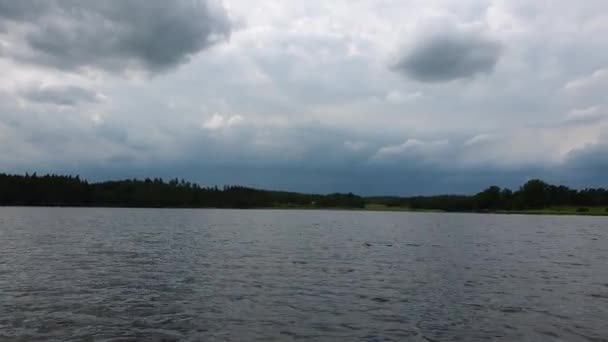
59	190
534	194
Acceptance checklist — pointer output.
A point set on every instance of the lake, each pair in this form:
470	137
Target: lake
96	274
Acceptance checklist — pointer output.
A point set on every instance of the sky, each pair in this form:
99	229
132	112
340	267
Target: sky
395	97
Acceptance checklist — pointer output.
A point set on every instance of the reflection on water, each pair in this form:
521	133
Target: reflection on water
234	275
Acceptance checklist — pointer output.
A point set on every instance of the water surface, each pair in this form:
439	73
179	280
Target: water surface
94	274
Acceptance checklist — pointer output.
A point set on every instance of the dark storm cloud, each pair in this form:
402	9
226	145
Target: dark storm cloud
19	10
113	35
449	56
588	166
61	95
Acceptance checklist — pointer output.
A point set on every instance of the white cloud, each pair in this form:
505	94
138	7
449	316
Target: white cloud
596	79
590	113
398	97
479	139
217	121
412	148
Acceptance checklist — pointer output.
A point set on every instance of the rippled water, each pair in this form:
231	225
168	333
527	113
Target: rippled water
237	275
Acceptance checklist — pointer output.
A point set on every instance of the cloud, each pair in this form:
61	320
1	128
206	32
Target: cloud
592	113
413	149
449	56
597	78
398	97
152	35
19	10
587	165
318	109
481	138
355	145
62	95
218	121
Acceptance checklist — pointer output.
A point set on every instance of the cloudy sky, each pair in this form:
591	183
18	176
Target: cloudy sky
369	96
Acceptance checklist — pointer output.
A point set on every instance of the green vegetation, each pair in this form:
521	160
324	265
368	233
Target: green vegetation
53	190
534	197
592	211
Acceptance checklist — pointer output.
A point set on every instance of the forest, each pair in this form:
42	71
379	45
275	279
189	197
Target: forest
534	194
60	190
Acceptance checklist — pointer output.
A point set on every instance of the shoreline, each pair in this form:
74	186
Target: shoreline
539	212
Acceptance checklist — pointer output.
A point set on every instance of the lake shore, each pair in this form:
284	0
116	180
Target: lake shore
558	211
578	211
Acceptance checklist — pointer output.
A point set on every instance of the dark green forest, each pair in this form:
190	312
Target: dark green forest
58	190
534	194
